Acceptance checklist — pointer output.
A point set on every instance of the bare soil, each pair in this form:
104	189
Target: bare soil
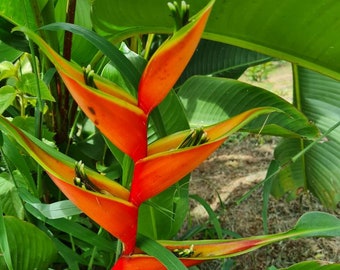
232	171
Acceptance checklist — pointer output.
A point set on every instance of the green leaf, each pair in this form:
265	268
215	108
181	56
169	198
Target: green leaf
30	248
287	30
152	248
317	96
28	85
314	265
162	216
222	60
7	70
116	57
212	216
9	198
209	100
66	225
28	124
317	224
82	51
60	209
19	165
7	53
4	245
8	95
150	16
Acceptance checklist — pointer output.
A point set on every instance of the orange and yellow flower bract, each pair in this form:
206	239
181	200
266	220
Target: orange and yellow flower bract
123	120
169	61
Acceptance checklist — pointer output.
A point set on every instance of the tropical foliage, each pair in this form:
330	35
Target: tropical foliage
118	116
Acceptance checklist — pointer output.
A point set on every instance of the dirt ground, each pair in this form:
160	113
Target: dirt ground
232	171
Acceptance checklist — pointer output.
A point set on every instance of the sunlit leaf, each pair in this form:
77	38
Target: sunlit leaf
209	100
8	95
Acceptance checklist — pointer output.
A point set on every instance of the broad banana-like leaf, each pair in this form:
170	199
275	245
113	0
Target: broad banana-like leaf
208	100
317	170
102	208
165	164
222	60
295	31
169	61
29	247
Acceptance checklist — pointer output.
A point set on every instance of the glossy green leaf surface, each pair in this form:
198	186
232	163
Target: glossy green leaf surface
221	60
21	12
317	224
8	53
295	31
314	265
30	248
318	170
209	100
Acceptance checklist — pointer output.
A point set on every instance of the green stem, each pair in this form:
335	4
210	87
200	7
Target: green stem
72	131
148	46
94	251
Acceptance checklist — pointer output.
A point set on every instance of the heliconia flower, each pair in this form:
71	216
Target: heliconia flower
113	110
145	262
194	252
169	61
166	164
111	210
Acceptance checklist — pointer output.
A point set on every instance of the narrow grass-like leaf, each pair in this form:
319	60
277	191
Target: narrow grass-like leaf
4	245
212	216
68	226
156	250
109	50
60	209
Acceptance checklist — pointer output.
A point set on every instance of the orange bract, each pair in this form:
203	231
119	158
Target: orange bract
169	61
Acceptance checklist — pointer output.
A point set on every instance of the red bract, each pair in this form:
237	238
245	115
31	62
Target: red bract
167	64
112	211
165	164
